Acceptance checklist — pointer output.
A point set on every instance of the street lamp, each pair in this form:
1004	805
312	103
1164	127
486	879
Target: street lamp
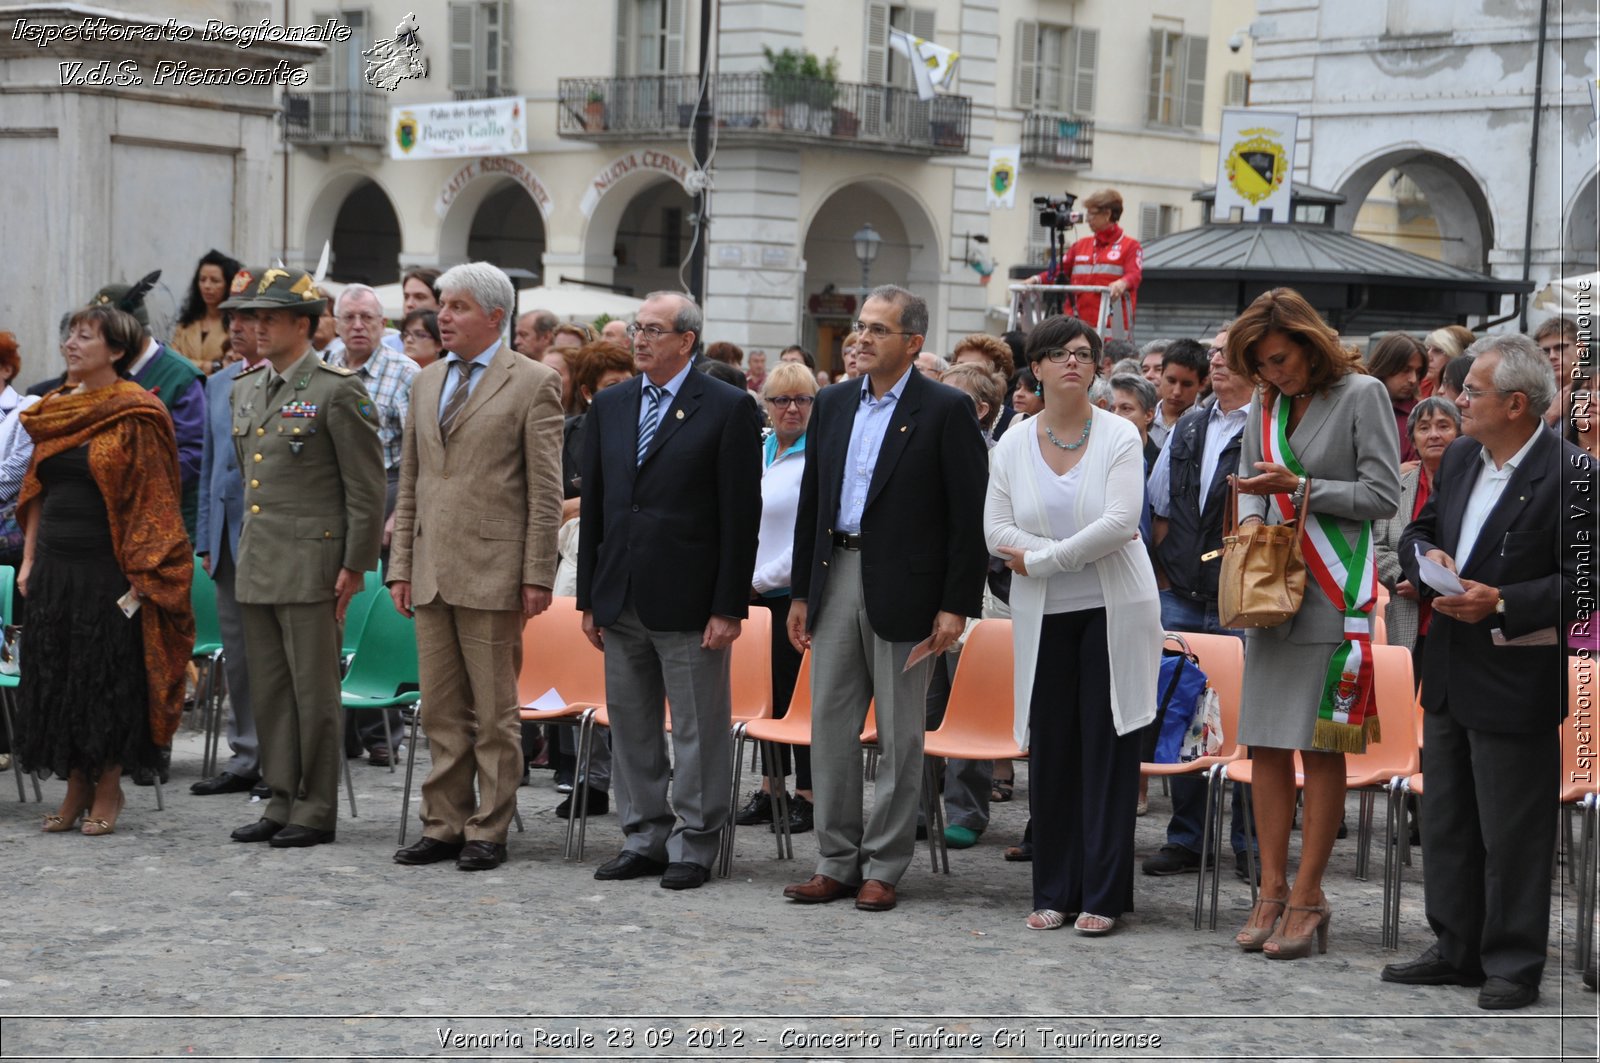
866	241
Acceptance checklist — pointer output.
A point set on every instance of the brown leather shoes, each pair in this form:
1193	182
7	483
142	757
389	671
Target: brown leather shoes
819	889
875	896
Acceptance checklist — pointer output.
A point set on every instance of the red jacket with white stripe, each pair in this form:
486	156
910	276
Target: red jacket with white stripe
1098	259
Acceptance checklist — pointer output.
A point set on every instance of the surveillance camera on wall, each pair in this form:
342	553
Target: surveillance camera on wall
1236	42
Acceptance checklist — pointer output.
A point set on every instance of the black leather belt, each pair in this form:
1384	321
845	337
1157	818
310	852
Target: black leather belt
846	541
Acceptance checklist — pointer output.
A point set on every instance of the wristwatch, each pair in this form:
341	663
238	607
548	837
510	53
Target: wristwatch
1299	493
1500	605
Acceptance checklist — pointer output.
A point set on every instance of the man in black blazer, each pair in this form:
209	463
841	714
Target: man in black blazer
666	550
1512	511
888	552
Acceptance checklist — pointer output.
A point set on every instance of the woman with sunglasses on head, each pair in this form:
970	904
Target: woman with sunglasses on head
1066	492
789	391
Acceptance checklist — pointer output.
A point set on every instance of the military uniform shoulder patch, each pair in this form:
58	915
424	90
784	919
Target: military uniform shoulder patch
336	369
258	367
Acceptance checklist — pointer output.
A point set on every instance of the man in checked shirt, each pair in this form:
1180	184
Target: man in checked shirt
387	376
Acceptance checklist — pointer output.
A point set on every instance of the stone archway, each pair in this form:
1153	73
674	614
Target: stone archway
1579	250
908	255
618	189
1430	187
356	217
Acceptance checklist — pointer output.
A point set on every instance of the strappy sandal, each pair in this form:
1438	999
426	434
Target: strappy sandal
1094	925
1046	919
1001	791
1251	938
96	827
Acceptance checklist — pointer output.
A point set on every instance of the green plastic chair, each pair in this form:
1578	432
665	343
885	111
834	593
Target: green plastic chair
209	655
384	666
9	683
355	617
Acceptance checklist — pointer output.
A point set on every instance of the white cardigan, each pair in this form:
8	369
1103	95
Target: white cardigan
1110	500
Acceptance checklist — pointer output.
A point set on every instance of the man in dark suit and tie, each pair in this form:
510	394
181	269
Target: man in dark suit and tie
1512	513
666	552
888	552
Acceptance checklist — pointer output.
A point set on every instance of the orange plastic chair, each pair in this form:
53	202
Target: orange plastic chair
1221	658
793	729
979	721
1580	792
1380	617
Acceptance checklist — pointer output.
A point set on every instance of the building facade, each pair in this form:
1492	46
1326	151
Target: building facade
1096	93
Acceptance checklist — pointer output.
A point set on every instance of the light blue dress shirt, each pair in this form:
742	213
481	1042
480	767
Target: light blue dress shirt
452	377
866	441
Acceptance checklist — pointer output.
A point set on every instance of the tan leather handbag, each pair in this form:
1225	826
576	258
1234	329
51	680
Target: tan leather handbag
1263	579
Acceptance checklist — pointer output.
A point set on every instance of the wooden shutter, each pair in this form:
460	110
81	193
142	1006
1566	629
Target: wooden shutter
624	55
1153	103
463	47
1194	83
921	22
1236	93
677	33
875	61
1149	222
322	69
1085	58
1026	71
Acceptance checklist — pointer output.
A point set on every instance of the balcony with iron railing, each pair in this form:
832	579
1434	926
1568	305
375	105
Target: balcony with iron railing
1057	140
760	107
327	117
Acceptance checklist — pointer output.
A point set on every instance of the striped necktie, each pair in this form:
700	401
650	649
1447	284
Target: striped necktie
652	417
458	397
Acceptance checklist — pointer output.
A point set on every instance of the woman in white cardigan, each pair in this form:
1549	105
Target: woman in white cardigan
1065	495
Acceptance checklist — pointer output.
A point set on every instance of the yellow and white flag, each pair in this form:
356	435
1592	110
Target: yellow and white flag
1004	166
930	63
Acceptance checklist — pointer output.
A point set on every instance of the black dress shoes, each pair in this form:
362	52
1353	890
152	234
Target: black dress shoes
481	856
226	783
684	876
756	810
261	830
261	790
295	836
599	804
428	851
1429	969
1502	994
628	864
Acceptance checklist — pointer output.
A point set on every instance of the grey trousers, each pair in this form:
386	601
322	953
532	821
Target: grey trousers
644	669
851	667
246	759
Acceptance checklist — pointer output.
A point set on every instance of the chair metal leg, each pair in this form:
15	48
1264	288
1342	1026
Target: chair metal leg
1585	871
349	788
871	772
578	810
1364	802
161	802
1391	851
516	816
778	790
725	848
1218	833
411	760
388	736
1206	841
933	814
11	743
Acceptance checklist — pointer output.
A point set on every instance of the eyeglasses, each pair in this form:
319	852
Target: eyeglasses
362	319
783	402
419	335
1082	355
1214	351
878	332
653	331
1474	394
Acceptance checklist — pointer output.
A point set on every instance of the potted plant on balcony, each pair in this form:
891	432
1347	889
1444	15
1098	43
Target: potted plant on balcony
594	111
800	90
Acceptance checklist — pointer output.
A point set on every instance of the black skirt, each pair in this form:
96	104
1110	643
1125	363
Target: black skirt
83	702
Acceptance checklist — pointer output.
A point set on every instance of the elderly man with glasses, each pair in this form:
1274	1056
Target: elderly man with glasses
1511	509
666	550
888	559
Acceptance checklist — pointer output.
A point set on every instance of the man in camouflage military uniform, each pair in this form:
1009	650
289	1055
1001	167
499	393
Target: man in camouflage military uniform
307	440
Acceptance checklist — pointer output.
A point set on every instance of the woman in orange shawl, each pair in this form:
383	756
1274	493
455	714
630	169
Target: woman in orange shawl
101	691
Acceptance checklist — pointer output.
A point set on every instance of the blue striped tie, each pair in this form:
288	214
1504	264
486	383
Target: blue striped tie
652	416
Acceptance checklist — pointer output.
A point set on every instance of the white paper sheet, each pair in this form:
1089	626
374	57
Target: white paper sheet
1437	576
547	701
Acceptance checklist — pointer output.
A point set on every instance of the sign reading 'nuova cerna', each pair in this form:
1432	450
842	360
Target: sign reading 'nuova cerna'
452	130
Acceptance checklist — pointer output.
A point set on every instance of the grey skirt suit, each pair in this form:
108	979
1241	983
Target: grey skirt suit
1350	449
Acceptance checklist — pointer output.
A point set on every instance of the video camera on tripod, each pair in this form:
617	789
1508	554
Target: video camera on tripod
1056	214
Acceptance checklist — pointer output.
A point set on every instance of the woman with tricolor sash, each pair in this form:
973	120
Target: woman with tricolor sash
1321	430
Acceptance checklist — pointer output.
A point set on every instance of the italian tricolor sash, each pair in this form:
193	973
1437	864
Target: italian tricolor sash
1348	715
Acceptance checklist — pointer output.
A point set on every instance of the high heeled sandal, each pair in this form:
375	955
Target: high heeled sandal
1251	938
96	827
59	823
1296	948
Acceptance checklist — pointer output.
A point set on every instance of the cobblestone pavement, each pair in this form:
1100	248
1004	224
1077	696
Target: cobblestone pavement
168	939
